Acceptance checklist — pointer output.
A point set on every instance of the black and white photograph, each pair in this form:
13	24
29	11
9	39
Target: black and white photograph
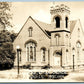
42	41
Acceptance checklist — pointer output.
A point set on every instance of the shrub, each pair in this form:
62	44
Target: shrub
46	67
27	66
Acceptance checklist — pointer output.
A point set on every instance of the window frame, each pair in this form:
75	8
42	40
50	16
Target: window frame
57	36
66	22
57	20
43	54
30	29
29	46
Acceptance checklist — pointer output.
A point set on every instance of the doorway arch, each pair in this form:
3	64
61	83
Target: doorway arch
57	58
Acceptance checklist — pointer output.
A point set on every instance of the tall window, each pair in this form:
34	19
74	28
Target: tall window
57	19
43	50
30	31
31	51
66	55
78	45
78	32
67	40
57	36
66	22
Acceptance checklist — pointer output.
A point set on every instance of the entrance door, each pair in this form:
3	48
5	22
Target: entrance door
57	61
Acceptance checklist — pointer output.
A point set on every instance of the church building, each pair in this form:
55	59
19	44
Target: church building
59	44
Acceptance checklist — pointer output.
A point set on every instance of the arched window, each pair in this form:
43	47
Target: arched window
67	39
66	35
43	52
57	19
66	55
30	31
78	45
57	36
78	32
31	51
66	22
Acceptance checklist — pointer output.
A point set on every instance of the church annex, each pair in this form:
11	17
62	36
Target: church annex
52	44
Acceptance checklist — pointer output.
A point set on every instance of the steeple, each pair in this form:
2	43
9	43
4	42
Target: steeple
60	16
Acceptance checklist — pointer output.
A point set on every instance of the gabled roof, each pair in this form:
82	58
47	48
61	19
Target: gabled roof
48	27
37	23
45	26
72	25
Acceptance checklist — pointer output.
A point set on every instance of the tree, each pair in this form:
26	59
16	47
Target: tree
13	36
7	54
5	15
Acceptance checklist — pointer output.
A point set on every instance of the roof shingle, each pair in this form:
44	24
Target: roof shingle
48	27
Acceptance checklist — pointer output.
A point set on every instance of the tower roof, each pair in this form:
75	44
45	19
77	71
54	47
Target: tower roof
59	8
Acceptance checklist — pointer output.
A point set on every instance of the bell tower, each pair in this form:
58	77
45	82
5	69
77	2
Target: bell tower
60	17
60	33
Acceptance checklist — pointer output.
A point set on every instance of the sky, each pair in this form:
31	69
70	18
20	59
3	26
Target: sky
41	11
